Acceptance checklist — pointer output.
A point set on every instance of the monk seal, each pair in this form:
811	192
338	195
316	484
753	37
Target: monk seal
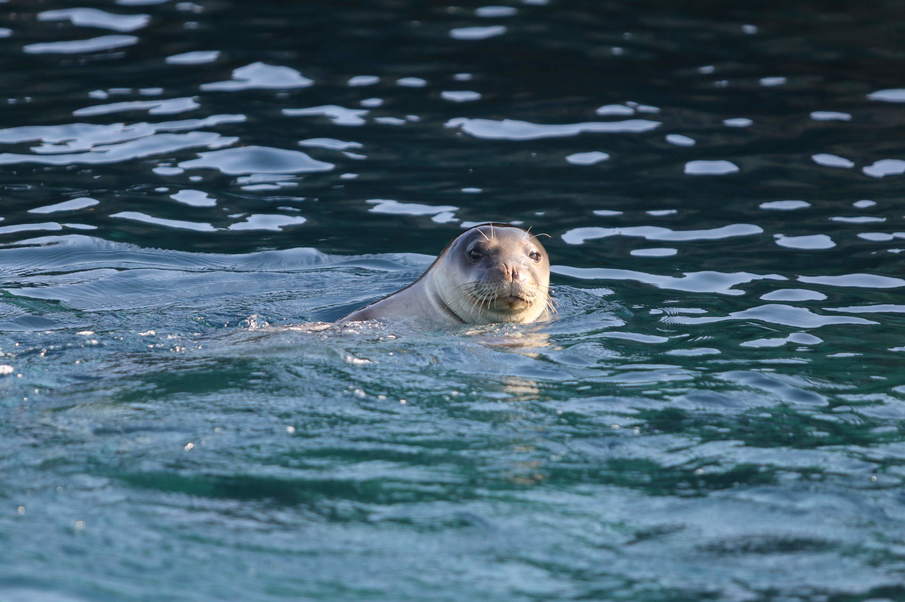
489	273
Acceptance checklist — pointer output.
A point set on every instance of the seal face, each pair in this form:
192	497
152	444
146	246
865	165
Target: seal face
489	273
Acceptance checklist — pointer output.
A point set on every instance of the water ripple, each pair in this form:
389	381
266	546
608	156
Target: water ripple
810	242
718	167
793	294
70	205
477	32
579	236
703	282
154	107
872	281
891	95
885	167
273	222
147	146
777	313
256	159
260	76
512	129
715	399
167	223
336	114
92	17
98	44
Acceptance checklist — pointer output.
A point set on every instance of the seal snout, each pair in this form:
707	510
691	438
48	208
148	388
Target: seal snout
507	286
511	273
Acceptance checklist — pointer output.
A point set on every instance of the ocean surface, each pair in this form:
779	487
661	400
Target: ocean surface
189	190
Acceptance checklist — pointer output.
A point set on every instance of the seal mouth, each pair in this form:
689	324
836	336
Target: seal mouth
512	302
504	298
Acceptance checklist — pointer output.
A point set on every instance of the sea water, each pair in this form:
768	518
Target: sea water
192	191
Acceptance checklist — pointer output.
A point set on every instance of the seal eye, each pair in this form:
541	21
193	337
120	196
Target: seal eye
475	254
535	255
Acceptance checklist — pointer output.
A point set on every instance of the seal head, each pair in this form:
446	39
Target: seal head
494	273
489	273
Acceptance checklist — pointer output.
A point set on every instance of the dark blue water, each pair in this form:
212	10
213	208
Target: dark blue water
191	189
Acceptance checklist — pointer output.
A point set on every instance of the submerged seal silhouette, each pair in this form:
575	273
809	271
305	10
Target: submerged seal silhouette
489	273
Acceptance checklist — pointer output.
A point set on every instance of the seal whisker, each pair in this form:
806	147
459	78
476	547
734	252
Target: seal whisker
549	303
471	300
486	296
473	297
472	294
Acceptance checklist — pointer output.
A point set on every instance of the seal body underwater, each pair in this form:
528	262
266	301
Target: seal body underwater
489	273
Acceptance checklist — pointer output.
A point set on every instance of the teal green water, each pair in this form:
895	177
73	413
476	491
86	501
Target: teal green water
717	412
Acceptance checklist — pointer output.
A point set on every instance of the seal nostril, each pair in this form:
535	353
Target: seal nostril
509	272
